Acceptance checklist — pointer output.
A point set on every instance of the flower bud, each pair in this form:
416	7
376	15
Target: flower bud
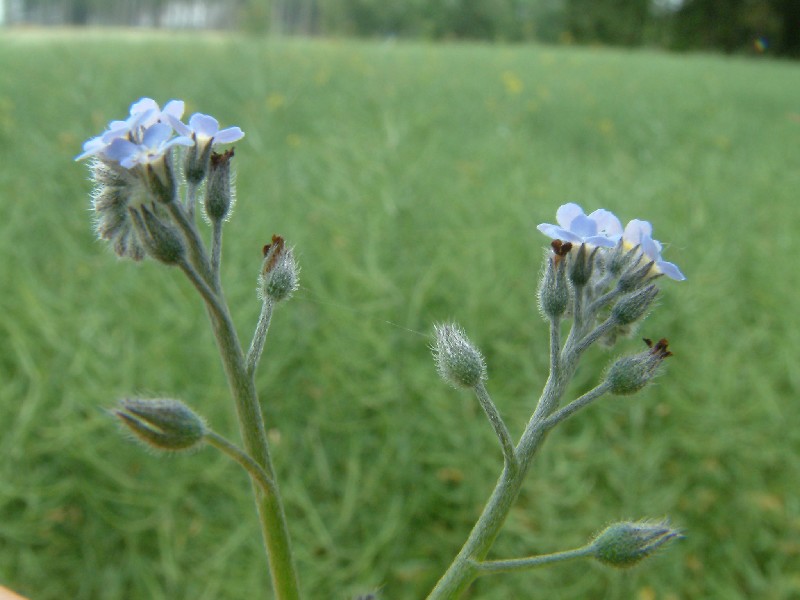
219	197
634	306
163	424
162	240
636	276
631	373
580	271
624	544
620	258
279	275
161	179
459	362
196	163
116	190
553	288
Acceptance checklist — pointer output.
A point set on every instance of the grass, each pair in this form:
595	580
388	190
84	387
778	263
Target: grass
410	179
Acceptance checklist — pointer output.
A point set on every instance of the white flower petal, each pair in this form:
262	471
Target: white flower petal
566	213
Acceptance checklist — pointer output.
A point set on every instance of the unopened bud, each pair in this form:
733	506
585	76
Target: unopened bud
634	306
195	165
636	276
459	362
624	544
219	194
631	373
116	189
163	423
279	277
162	240
620	258
580	271
553	287
161	178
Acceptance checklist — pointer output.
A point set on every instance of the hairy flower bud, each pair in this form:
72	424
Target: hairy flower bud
580	271
161	178
620	258
279	275
553	288
636	276
161	239
624	544
458	361
631	373
196	163
219	193
163	423
634	306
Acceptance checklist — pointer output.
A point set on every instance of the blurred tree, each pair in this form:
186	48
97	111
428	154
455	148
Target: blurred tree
771	26
737	25
622	22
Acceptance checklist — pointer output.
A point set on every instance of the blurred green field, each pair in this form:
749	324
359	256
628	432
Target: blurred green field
410	178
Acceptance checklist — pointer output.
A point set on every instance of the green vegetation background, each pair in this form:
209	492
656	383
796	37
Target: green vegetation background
410	178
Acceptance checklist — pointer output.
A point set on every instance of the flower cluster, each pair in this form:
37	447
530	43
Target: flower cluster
603	229
146	135
135	184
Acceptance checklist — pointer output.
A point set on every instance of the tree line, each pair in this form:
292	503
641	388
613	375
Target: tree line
761	26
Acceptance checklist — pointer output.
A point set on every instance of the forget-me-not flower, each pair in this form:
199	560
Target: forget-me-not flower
144	113
640	233
205	130
154	145
600	228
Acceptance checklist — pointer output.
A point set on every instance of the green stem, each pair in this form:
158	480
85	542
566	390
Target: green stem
259	337
216	251
499	426
251	426
574	406
492	567
248	464
197	252
464	568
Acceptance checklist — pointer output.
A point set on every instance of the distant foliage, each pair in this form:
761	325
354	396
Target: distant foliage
754	26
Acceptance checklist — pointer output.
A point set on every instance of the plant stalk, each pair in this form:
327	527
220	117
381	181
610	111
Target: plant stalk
251	426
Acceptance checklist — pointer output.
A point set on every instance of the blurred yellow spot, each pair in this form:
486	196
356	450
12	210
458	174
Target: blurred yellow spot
722	142
547	58
275	101
512	83
606	126
450	475
543	92
646	593
7	120
322	77
68	140
274	436
768	502
693	563
294	141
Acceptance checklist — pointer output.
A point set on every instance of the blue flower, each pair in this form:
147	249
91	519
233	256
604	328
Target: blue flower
206	130
640	233
144	114
601	228
155	142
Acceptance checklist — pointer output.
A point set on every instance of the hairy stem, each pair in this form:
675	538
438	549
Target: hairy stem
492	567
247	463
251	426
259	337
498	425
